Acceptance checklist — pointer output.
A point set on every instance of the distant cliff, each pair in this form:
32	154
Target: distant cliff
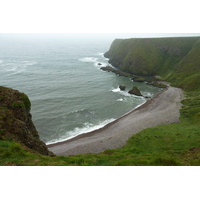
187	72
149	56
171	58
16	121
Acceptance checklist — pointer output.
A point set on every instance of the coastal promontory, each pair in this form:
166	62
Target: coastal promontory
155	56
16	121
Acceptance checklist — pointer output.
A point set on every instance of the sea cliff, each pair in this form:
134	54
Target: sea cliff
156	56
16	121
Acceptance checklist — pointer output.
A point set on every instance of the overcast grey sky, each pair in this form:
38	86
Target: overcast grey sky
99	16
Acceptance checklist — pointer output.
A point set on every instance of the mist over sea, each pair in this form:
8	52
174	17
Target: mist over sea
61	75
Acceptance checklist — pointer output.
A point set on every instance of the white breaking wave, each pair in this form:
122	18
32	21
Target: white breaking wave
121	99
16	67
76	111
100	64
116	90
94	60
88	127
147	94
124	93
102	55
88	59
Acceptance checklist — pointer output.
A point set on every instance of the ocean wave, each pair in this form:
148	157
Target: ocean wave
87	127
121	99
81	113
16	67
124	93
76	111
102	55
89	59
100	64
147	94
94	60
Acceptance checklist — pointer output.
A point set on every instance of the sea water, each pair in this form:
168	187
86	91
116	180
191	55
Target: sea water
61	75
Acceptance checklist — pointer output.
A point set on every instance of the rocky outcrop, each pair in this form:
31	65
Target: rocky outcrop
122	87
135	91
157	84
116	71
138	79
16	121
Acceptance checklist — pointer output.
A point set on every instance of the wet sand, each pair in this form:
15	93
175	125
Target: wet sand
162	109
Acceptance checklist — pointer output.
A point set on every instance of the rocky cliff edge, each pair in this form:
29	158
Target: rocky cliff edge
16	121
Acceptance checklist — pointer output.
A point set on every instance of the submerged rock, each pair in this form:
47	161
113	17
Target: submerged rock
135	91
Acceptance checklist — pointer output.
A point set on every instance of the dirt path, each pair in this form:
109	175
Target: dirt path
163	109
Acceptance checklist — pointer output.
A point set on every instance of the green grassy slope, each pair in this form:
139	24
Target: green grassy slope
187	73
167	145
175	144
149	56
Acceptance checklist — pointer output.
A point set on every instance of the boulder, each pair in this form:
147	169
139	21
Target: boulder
122	87
135	91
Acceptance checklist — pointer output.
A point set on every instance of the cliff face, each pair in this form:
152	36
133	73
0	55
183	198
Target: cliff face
187	73
16	121
150	56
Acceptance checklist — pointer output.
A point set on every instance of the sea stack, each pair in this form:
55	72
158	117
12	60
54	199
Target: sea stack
135	91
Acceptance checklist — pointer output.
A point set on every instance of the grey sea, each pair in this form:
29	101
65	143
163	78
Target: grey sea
61	75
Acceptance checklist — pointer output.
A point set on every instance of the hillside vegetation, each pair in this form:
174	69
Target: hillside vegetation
16	121
176	60
150	56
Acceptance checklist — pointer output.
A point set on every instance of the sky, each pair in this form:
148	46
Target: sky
99	16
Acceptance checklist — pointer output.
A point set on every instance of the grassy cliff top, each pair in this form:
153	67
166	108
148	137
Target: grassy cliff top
150	56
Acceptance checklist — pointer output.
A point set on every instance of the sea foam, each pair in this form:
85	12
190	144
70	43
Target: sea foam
16	67
88	59
124	93
87	127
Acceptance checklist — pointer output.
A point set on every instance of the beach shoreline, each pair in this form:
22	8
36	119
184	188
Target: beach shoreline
162	109
87	134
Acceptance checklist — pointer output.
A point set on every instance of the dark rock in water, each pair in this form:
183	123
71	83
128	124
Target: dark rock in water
99	64
138	79
16	121
122	87
135	91
116	71
108	69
